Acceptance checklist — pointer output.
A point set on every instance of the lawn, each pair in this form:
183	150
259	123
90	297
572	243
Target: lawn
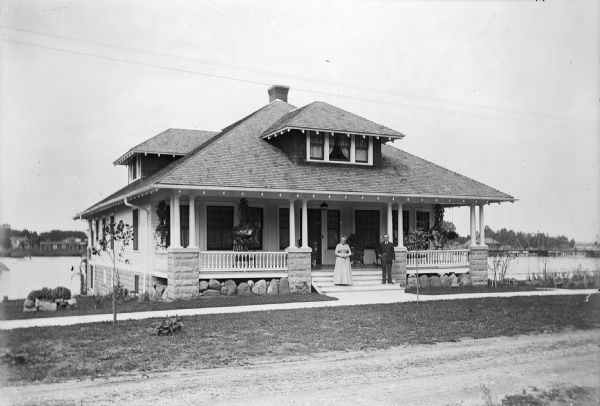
208	341
13	309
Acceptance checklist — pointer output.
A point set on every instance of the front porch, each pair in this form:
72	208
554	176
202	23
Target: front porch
296	237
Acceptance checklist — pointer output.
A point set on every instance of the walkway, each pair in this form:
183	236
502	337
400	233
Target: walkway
344	299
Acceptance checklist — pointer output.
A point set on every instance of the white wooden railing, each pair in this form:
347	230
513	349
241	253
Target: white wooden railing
243	261
437	258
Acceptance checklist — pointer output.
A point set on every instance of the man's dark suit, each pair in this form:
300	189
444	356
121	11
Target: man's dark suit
387	256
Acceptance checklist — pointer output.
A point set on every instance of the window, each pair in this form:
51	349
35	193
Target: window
317	146
219	225
184	225
405	225
423	220
91	276
339	147
136	283
97	230
135	168
362	149
112	232
255	215
333	228
284	228
135	221
366	226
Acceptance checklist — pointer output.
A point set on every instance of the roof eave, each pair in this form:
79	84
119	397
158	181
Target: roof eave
285	129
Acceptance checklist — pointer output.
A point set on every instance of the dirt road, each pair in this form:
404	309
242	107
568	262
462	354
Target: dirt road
441	374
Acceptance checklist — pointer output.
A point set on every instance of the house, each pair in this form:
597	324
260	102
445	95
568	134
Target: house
309	174
66	246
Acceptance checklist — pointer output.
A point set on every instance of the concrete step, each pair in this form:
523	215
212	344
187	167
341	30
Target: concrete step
358	288
324	284
354	276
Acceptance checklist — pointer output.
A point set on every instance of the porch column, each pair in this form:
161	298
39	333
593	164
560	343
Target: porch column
176	235
304	223
89	234
400	226
292	226
481	226
192	223
390	222
473	232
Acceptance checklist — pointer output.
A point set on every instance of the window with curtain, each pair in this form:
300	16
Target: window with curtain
317	145
112	229
135	226
423	220
219	225
284	228
339	147
255	215
366	226
361	149
184	225
333	228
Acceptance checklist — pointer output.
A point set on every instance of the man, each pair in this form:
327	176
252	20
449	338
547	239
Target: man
386	248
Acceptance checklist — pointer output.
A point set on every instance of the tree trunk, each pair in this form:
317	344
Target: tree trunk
114	296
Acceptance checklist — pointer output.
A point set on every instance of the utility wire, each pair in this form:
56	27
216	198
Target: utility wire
262	83
392	92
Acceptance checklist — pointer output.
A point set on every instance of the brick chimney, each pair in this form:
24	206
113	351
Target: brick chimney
278	92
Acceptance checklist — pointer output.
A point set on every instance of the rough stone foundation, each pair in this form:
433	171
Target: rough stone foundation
478	264
298	260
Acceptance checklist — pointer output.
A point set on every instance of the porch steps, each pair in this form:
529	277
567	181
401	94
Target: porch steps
365	280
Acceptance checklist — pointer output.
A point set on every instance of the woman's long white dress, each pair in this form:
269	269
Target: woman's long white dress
342	274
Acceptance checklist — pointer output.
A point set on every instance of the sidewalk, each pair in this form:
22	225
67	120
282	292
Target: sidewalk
344	299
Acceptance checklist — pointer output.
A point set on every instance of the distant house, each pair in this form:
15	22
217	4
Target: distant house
20	243
310	174
66	246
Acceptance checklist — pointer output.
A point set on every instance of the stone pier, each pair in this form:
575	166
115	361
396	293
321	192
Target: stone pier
399	266
298	263
183	273
478	264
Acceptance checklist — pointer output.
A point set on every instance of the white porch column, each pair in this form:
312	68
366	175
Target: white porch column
192	223
292	226
304	223
89	234
481	226
400	226
390	222
473	232
176	236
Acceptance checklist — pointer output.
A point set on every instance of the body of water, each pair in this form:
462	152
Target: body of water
26	274
521	267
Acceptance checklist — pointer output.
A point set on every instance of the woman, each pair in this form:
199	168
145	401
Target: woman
342	274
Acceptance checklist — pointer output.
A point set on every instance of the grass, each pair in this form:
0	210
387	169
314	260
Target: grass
208	341
556	395
13	309
470	289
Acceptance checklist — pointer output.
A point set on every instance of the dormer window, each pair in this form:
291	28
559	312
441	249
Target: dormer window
135	168
317	146
339	148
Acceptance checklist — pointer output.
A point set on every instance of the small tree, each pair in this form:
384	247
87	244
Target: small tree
499	266
114	239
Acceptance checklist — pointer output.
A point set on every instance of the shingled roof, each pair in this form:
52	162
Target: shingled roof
325	117
174	141
238	157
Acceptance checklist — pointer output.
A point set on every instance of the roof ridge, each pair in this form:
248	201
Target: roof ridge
385	146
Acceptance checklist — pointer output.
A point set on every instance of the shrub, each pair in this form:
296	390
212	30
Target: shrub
61	292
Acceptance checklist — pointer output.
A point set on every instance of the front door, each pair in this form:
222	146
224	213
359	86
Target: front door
314	233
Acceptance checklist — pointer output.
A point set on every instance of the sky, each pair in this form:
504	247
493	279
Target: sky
504	92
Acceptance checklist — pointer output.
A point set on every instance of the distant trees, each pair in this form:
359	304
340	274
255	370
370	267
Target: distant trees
34	238
521	240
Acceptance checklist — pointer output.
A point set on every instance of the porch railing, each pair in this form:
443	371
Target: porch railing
437	258
243	261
